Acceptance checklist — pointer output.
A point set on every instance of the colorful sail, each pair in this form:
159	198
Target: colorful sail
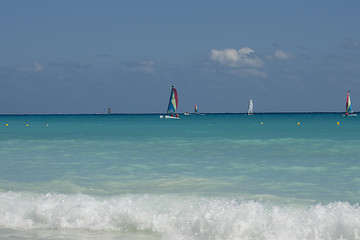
173	102
251	107
349	109
109	111
196	108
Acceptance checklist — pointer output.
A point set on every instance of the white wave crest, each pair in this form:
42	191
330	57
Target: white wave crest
179	217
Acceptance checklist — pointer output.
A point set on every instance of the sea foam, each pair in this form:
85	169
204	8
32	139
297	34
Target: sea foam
178	217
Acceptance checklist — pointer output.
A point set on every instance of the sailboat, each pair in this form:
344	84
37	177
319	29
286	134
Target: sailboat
109	111
172	106
195	110
251	107
349	110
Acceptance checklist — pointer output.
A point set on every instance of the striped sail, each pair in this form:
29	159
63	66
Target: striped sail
173	102
196	108
349	109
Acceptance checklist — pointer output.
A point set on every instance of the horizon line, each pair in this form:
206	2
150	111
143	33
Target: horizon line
182	113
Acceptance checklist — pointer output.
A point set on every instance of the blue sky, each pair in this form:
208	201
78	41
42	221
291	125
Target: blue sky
83	56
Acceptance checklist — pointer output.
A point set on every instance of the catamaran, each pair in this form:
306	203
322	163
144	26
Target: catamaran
251	107
173	104
349	110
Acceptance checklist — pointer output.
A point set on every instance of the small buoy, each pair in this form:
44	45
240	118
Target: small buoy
7	125
261	123
47	125
338	123
27	125
298	123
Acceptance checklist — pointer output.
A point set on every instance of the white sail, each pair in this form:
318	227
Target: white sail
251	107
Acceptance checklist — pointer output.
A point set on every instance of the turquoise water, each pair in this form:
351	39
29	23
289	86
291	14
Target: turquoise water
214	176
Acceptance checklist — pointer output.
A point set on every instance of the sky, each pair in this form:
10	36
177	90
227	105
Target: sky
83	56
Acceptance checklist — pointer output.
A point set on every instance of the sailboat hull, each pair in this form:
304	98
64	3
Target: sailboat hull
168	117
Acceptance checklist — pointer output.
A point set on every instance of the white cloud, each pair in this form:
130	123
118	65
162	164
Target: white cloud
350	44
243	57
147	67
35	68
144	66
281	55
249	72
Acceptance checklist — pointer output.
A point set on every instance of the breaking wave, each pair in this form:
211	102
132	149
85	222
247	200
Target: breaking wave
178	217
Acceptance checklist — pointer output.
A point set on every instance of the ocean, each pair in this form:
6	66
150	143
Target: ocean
211	176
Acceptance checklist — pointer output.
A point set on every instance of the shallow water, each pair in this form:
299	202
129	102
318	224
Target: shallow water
216	176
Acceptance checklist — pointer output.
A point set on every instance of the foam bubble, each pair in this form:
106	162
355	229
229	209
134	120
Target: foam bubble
178	217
